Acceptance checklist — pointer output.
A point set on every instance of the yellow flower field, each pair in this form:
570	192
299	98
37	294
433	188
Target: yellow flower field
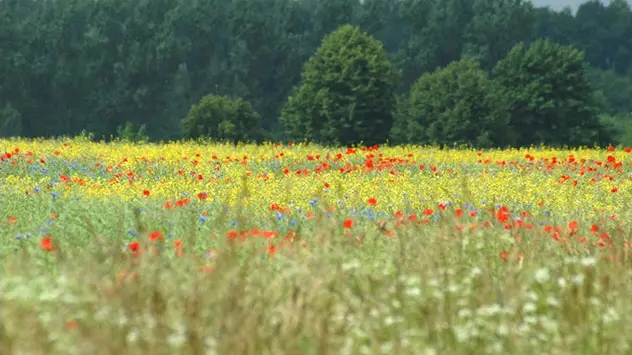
399	177
400	249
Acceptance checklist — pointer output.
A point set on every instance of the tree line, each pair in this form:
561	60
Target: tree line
447	70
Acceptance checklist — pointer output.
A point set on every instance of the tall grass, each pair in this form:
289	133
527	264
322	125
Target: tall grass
431	288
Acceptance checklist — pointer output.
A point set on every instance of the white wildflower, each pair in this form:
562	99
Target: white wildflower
529	307
578	279
552	301
413	291
462	334
588	261
561	282
542	275
353	264
132	336
610	315
502	330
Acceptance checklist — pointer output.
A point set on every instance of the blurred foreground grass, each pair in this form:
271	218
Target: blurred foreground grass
431	289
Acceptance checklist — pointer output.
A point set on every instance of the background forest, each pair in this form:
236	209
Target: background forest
110	67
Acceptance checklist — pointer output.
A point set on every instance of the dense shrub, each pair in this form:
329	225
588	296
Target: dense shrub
224	119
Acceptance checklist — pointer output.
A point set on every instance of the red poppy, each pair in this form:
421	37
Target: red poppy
133	246
155	236
47	244
183	202
71	324
502	215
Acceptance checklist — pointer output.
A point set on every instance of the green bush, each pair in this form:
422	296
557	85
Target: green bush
347	92
619	127
455	105
128	133
224	119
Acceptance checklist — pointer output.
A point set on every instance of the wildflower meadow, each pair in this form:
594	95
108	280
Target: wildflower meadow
193	248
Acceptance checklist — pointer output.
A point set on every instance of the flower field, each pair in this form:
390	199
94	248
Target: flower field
186	248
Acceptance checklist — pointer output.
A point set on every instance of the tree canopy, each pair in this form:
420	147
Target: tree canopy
346	94
69	65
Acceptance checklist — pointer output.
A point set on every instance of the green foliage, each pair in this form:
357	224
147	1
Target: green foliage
10	121
457	104
615	89
604	32
619	128
222	118
85	136
128	133
147	62
347	92
435	35
550	98
496	26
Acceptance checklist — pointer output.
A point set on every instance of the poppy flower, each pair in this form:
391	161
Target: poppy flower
133	246
71	324
156	236
47	244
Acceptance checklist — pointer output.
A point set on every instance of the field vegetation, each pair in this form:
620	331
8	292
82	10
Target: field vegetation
447	177
298	249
